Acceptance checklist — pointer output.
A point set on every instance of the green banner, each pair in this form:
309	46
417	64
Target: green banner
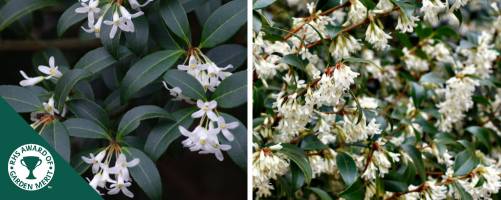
34	169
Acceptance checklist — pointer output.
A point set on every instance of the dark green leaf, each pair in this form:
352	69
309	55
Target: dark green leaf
312	142
57	136
189	85
232	91
298	156
66	83
69	18
238	151
133	117
96	60
84	128
294	60
165	132
224	23
418	93
137	41
355	191
174	16
482	134
464	162
416	159
463	193
347	168
145	174
111	44
20	98
83	108
320	193
146	71
15	9
228	54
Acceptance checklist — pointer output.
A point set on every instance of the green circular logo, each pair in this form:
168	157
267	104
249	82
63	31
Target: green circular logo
31	167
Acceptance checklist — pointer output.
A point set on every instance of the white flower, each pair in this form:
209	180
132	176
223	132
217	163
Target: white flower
433	191
406	23
94	161
30	81
49	107
458	99
376	36
344	45
193	68
412	62
94	183
134	4
204	140
116	23
52	70
226	127
122	166
206	110
368	102
120	185
357	13
177	93
383	6
267	165
91	9
343	76
94	28
431	8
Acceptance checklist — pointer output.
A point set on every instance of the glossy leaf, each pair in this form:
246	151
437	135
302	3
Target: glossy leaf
20	98
146	71
165	132
69	18
347	168
174	16
84	128
15	9
66	83
416	159
134	116
57	136
224	23
83	108
464	162
298	156
145	174
189	85
137	41
227	54
232	91
238	151
95	60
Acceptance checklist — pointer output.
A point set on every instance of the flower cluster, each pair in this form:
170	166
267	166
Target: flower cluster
121	17
204	70
368	94
48	113
204	138
114	179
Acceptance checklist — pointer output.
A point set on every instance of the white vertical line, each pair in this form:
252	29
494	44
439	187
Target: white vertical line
249	99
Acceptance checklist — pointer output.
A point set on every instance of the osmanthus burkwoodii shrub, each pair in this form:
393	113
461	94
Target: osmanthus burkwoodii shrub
367	99
147	47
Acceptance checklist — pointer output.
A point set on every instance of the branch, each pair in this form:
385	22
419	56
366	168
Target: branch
34	45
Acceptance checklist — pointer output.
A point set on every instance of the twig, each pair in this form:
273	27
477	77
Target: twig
308	19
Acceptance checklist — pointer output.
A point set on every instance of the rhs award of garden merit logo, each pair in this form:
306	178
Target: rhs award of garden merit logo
31	167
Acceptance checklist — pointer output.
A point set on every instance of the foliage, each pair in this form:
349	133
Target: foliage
388	99
132	125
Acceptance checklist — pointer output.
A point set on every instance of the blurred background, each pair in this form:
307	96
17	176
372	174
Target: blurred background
184	174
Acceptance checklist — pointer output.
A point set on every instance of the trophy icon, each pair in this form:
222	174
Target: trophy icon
31	162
